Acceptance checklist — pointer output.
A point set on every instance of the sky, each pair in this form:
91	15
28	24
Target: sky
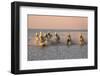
57	22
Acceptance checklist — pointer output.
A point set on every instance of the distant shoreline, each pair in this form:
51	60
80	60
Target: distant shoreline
59	30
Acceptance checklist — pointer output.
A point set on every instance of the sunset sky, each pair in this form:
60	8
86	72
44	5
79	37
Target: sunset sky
57	22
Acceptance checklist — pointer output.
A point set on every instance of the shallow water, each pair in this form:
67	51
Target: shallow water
58	51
